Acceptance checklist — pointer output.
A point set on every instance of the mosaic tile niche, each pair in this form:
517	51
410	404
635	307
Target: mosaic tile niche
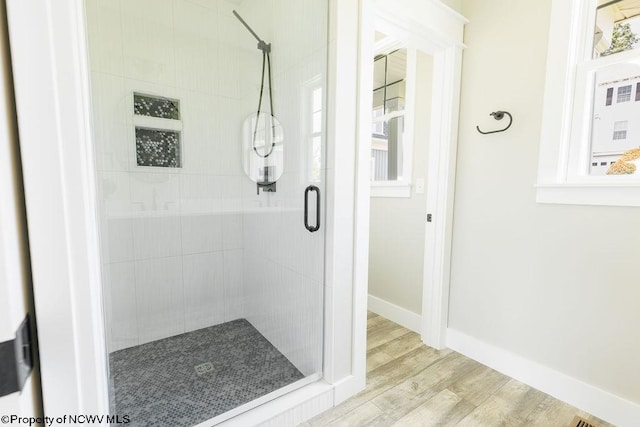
154	106
159	148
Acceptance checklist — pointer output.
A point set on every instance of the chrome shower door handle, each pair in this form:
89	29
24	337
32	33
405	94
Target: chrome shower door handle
306	208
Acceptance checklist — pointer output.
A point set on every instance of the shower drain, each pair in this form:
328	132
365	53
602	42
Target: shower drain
204	368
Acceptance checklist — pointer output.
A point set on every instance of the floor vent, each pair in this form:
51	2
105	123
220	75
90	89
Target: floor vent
580	422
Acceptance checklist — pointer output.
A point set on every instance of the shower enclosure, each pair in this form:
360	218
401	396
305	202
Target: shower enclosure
212	270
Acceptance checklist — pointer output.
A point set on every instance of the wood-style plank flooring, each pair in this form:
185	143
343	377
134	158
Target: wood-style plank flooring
409	384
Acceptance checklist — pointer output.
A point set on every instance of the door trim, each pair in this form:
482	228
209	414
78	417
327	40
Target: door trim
441	170
51	83
436	30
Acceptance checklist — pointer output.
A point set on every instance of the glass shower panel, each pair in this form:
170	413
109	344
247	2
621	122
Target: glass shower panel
212	282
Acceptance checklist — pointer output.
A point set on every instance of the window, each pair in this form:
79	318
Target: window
594	56
378	124
624	94
387	143
620	130
394	73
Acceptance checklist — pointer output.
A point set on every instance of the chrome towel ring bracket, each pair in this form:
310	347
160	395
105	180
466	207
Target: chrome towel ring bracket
498	115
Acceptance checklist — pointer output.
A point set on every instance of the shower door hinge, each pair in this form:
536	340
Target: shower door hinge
16	360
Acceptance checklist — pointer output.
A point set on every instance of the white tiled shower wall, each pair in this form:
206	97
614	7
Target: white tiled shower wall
185	248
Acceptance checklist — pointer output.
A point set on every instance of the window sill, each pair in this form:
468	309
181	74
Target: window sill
598	194
390	189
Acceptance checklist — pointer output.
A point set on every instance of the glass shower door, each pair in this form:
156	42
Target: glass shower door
212	269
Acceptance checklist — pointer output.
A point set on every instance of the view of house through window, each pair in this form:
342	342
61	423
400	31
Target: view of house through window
615	131
389	86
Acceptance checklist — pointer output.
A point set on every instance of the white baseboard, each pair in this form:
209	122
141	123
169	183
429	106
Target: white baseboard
348	388
593	400
395	313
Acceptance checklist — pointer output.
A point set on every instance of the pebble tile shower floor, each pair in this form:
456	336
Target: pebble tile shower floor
158	384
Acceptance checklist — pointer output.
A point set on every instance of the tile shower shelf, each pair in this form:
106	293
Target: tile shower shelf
157	123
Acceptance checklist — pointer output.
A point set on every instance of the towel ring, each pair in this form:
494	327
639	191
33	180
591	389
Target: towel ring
498	115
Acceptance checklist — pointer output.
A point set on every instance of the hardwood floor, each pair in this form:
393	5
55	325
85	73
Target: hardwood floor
409	384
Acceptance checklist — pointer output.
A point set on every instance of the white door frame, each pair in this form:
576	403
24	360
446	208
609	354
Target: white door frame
15	283
53	106
431	27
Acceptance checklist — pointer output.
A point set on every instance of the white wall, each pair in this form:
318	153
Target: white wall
555	284
169	235
195	246
396	248
454	4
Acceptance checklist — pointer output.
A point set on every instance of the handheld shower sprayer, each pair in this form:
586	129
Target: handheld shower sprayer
266	59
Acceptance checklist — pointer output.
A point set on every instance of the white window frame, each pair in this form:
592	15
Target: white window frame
400	187
565	138
626	95
620	130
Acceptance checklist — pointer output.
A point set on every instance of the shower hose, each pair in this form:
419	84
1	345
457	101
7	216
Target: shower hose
266	60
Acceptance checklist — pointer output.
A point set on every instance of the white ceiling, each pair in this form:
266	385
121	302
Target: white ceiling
396	68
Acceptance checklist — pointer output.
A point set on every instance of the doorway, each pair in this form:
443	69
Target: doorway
400	143
431	31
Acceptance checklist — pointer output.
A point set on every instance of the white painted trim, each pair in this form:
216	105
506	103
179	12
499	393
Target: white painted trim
348	387
585	194
566	122
343	331
435	30
593	400
395	313
390	189
51	80
447	74
408	138
428	25
15	283
364	42
157	123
